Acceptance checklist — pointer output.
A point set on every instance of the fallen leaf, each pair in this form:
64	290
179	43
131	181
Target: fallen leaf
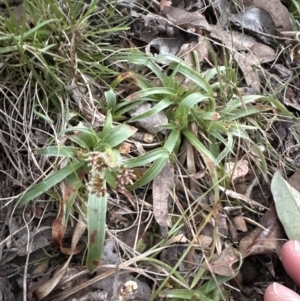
267	239
178	238
260	53
251	75
237	169
287	202
69	192
124	148
45	289
294	180
201	47
256	20
187	20
165	46
162	186
277	10
204	241
222	265
239	223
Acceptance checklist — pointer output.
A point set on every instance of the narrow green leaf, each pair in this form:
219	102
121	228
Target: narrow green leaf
152	91
153	111
75	183
111	100
227	149
184	294
238	102
240	113
172	140
38	26
84	136
96	218
214	283
208	75
118	134
186	105
151	173
287	202
188	72
198	145
146	158
108	125
84	139
58	151
37	189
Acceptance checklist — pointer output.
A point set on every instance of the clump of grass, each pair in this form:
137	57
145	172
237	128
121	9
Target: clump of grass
59	58
212	126
49	49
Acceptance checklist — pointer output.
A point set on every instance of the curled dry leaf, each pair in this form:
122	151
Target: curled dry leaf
222	265
192	21
201	47
45	289
237	170
251	76
165	46
124	148
256	20
239	223
254	53
204	241
162	186
267	239
294	180
277	10
59	225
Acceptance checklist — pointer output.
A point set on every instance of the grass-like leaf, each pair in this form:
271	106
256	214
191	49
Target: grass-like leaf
58	151
147	158
96	217
151	173
118	134
48	182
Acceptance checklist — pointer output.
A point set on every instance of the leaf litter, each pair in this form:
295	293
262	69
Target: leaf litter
185	29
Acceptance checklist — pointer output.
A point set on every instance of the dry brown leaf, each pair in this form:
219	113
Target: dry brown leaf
239	223
233	39
251	76
204	241
178	238
162	186
267	239
222	265
277	10
59	225
46	288
201	47
294	180
237	169
256	20
242	197
256	53
222	224
260	53
124	148
191	21
165	46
